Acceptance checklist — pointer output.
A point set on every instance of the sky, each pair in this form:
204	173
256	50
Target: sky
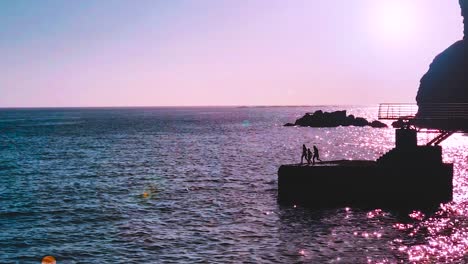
59	53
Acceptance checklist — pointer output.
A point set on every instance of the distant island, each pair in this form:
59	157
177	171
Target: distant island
334	119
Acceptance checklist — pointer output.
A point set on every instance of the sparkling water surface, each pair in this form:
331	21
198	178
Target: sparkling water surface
188	185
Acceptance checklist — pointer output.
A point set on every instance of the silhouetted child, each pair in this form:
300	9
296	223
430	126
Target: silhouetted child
309	156
316	155
304	153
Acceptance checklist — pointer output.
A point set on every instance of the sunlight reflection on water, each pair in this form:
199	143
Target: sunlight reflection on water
446	231
199	185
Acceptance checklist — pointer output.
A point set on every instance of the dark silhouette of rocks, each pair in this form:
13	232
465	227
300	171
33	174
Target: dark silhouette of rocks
398	124
447	78
377	124
464	7
333	119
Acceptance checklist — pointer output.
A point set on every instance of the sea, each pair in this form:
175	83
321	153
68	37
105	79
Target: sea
199	185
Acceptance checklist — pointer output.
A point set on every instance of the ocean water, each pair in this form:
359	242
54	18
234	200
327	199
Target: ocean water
197	185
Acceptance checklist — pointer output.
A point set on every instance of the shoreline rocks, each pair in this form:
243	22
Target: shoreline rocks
334	119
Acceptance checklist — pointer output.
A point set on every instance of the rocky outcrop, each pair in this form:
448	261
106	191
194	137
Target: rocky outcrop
333	119
398	124
464	8
447	78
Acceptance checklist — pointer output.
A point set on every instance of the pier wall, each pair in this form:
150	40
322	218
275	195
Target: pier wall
366	185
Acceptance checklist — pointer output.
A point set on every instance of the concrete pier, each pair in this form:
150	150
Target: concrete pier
365	183
408	176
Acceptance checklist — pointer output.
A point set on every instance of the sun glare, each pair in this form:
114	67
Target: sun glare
393	21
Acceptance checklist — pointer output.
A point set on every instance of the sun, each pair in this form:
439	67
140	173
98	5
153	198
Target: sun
393	20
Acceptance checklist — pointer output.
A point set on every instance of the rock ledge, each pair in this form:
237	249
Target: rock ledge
333	119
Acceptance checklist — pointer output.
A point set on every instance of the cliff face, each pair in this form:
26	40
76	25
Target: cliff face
447	78
464	7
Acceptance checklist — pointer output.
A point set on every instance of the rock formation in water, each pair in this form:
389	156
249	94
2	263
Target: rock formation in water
333	119
447	78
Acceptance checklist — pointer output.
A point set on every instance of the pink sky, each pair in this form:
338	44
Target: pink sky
184	53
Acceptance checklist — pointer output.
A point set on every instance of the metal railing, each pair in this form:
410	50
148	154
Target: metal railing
397	111
440	111
432	111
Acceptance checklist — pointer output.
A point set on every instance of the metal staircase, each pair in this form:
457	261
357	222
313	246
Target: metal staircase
439	138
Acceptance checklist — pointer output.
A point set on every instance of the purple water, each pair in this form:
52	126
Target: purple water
188	185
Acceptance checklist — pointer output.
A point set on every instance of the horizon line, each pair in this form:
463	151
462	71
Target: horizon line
178	106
